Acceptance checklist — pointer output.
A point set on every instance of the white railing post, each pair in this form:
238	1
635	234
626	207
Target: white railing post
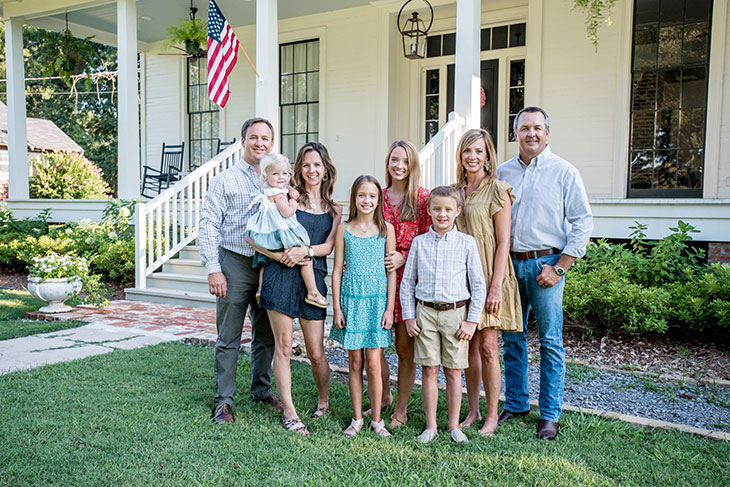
140	250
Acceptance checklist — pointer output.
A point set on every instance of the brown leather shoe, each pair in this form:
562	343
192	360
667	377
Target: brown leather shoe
547	430
272	401
222	414
507	415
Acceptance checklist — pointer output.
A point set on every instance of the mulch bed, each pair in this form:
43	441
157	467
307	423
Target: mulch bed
658	355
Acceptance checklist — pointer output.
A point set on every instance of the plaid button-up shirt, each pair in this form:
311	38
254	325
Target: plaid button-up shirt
226	211
437	271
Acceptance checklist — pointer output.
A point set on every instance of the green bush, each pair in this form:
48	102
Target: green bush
62	175
648	287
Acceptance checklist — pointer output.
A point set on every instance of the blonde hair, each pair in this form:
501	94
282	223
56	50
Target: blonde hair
272	159
409	207
490	165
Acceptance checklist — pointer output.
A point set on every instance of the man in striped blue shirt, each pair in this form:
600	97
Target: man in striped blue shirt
228	258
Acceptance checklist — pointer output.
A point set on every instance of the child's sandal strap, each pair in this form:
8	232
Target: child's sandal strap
354	428
379	428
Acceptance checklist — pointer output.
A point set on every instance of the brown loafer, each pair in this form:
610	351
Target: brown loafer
547	430
222	414
505	415
272	401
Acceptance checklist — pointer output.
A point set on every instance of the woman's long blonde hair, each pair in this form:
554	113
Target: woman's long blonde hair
328	180
490	165
409	207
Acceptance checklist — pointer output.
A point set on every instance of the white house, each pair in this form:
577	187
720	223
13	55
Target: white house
645	117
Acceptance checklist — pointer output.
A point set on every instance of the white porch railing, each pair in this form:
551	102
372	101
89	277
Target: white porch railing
169	222
438	161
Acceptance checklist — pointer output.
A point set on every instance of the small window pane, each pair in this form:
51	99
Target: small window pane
645	48
300	123
517	73
432	108
647	12
516	99
642	169
667	129
432	81
431	129
692	128
300	140
313	56
642	130
510	128
287	147
670	46
287	119
697	10
689	168
449	44
287	59
695	43
645	90
300	57
694	88
195	130
287	89
313	117
313	87
486	39
300	88
672	11
668	88
433	46
665	170
516	35
499	37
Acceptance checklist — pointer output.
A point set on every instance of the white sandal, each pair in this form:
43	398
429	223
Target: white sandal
354	428
379	428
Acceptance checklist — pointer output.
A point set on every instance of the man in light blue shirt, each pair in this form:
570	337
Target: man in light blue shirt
551	226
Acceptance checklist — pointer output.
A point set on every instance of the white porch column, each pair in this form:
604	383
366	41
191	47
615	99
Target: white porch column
17	133
128	114
267	62
467	78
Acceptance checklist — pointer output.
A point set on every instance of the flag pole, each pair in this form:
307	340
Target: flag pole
249	61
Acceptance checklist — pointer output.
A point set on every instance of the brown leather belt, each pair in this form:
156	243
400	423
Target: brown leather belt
445	306
534	254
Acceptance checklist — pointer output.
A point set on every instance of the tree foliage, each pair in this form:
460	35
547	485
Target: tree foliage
90	117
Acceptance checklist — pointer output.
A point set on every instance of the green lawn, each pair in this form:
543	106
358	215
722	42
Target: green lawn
141	417
13	306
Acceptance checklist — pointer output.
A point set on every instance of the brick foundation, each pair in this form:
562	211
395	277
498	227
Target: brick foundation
719	252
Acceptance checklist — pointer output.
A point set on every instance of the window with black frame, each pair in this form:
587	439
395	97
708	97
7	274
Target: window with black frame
671	52
299	97
203	115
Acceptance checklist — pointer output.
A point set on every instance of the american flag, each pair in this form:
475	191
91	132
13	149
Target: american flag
222	54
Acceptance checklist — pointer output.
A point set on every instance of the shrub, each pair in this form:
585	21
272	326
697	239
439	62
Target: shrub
648	286
62	175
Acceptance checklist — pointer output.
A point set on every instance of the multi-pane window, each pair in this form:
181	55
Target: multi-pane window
516	92
432	103
299	100
203	115
669	97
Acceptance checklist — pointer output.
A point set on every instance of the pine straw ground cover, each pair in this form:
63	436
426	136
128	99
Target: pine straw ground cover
141	417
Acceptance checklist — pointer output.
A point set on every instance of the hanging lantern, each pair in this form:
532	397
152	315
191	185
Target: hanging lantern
414	33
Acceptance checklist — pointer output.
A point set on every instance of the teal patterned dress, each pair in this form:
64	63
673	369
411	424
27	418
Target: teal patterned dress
364	294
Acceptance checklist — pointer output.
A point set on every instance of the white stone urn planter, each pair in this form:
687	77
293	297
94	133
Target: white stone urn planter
54	292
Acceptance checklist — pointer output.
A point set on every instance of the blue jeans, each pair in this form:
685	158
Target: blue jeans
548	306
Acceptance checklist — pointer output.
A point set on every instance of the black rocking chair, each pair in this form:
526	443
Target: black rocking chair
169	172
222	145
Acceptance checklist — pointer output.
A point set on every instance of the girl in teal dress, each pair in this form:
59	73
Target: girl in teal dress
364	296
275	226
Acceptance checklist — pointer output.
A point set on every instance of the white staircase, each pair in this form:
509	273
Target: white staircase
168	268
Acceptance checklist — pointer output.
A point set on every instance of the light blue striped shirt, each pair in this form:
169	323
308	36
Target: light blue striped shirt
225	213
551	206
437	271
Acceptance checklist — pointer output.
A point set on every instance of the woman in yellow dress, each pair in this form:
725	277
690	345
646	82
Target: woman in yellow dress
487	216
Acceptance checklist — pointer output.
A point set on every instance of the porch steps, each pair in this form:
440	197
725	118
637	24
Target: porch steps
183	281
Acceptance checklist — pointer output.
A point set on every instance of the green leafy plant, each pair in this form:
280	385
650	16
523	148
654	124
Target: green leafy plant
55	266
597	12
67	55
192	33
67	175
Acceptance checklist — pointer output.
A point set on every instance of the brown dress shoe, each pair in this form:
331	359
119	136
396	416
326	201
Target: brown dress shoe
272	401
222	414
507	415
547	430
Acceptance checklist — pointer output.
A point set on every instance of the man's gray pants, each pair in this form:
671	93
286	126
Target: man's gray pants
241	283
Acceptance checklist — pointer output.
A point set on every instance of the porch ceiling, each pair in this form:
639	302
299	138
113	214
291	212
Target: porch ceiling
154	16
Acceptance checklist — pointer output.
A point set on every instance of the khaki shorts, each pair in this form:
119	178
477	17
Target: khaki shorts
437	343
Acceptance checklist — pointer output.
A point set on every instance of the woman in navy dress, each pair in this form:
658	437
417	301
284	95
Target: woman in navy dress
282	288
